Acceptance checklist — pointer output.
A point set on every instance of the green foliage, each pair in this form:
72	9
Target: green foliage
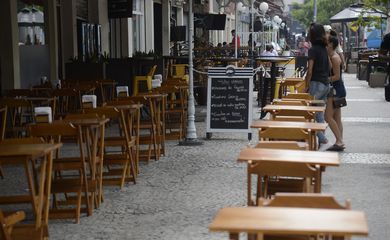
373	6
325	10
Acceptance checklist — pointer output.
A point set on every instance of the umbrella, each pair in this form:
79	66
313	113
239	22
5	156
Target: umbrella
353	12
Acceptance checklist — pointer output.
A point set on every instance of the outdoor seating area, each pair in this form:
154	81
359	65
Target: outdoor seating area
284	180
74	140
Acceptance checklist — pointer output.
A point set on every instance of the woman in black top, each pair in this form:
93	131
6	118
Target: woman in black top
317	82
333	114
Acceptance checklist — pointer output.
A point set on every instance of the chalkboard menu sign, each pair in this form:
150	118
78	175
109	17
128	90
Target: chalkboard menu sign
120	8
229	99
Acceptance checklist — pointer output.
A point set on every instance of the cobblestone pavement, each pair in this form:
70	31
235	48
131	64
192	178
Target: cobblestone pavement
177	196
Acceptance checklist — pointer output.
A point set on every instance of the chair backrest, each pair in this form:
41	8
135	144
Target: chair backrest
17	110
29	140
67	100
265	170
305	200
152	71
52	130
293	145
4	233
299	96
107	112
284	134
3	122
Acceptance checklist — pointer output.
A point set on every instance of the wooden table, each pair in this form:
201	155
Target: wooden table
299	110
310	127
25	154
294	156
294	221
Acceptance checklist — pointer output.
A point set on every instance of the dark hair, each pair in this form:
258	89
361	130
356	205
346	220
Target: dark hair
333	33
334	41
317	34
233	31
268	47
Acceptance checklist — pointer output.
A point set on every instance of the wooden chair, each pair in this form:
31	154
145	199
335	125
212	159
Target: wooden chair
70	173
286	134
123	142
275	177
3	121
7	223
147	79
175	112
19	112
293	145
303	200
67	101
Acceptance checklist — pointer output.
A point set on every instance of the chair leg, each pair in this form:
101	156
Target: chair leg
1	173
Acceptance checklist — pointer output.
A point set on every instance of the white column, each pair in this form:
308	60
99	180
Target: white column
149	25
9	57
69	30
166	13
180	17
51	37
126	36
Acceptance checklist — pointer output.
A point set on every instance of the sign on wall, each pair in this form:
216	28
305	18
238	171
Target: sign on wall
229	99
120	8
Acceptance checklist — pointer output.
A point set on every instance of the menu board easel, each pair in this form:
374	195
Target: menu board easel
229	100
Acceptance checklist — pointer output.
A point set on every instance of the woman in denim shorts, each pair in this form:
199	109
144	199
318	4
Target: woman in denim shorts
332	113
317	77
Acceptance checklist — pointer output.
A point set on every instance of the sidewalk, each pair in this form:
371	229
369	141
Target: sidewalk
178	196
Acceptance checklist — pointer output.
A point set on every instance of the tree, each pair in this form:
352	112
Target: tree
374	6
325	10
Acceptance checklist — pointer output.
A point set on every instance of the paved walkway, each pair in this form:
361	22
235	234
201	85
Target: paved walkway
177	196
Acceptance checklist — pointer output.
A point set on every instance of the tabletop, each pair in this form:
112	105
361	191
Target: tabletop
284	155
284	220
33	150
286	124
312	102
271	107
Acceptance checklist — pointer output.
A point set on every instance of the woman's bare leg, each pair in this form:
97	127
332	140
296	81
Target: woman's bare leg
337	118
329	117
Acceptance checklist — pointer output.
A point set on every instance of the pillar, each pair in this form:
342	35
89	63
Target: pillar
149	25
180	17
166	23
9	48
51	37
97	13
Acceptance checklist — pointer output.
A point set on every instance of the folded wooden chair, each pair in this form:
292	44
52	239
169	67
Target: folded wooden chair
3	122
120	147
19	113
70	172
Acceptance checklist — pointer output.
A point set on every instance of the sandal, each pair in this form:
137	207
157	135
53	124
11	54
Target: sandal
336	148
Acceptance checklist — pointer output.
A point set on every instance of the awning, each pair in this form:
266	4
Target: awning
353	12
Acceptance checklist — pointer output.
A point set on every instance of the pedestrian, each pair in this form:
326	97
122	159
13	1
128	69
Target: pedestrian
317	76
268	52
339	50
233	43
337	91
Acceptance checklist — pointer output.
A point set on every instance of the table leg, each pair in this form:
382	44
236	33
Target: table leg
41	194
49	170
